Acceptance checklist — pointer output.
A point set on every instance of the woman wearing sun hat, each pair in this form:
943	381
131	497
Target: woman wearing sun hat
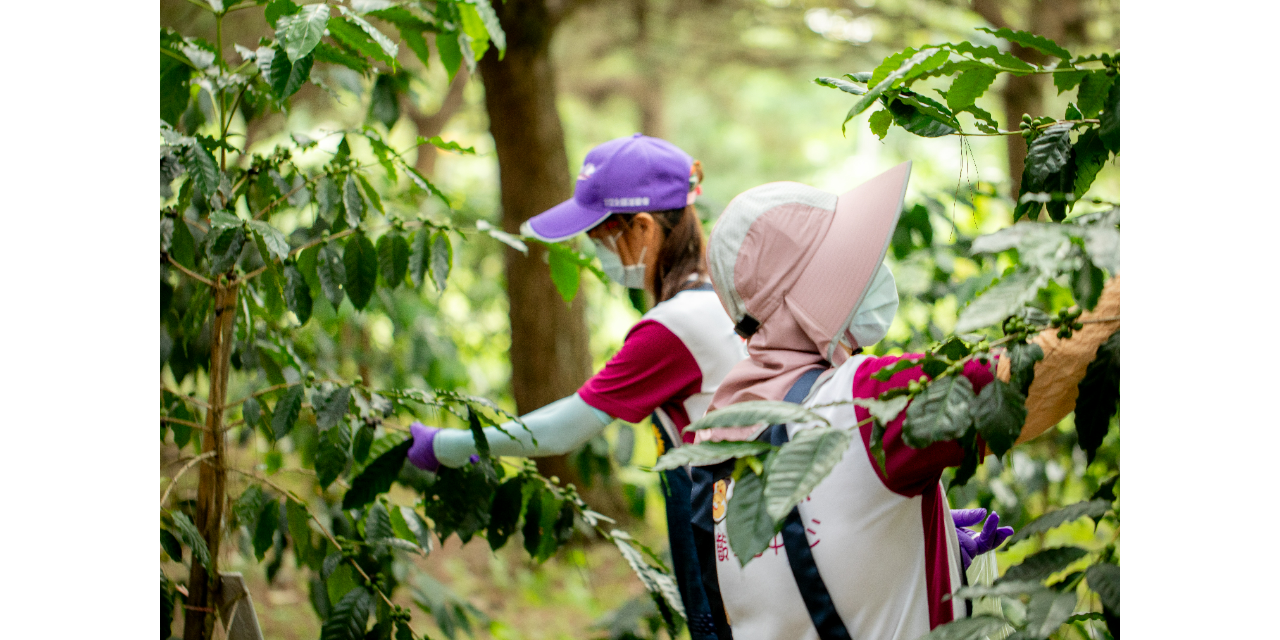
871	552
634	198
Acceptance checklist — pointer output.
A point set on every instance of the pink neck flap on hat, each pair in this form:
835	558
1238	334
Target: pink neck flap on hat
792	264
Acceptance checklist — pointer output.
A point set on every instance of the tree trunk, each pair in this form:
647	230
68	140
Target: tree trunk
203	584
550	357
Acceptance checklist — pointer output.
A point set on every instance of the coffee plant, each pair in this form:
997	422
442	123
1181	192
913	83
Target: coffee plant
261	255
1059	261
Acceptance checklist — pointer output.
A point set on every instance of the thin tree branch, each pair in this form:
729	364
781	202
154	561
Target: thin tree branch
341	234
319	524
187	271
174	481
193	425
196	401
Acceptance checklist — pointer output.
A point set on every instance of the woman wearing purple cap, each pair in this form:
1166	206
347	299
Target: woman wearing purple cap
634	198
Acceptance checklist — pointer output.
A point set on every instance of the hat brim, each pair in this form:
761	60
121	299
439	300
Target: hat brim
562	222
850	253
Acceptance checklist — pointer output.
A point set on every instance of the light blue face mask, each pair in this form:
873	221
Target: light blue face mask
630	276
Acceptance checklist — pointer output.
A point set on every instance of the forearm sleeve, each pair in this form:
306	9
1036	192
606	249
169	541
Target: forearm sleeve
1054	390
559	428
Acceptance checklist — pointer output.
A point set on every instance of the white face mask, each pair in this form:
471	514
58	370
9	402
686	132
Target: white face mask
871	321
630	276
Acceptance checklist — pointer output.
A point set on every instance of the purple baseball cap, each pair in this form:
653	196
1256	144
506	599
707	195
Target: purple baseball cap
626	175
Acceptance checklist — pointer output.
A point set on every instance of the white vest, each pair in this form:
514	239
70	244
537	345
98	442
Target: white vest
868	543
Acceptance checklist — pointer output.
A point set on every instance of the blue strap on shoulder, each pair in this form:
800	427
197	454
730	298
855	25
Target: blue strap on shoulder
813	590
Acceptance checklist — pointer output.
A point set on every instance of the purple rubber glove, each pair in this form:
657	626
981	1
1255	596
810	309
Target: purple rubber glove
422	452
974	544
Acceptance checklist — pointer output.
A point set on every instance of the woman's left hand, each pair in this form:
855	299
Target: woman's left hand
974	544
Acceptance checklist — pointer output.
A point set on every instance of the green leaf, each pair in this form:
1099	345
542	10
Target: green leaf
1093	92
706	453
386	157
843	85
350	616
377	476
362	442
992	56
300	32
1049	152
656	582
1022	361
1091	508
425	185
332	274
389	48
538	516
1039	566
332	454
1099	396
505	512
885	373
474	29
998	415
1109	128
325	52
1031	41
1086	284
1090	156
252	411
441	259
880	122
745	414
1104	579
492	25
1106	490
888	80
340	581
300	532
384	101
884	411
502	236
410	526
944	411
797	468
450	52
352	35
271	285
264	533
417	44
953	349
393	258
183	247
285	77
1067	80
1047	611
174	95
352	201
439	143
420	257
1000	301
297	294
1004	589
360	263
276	243
170	544
377	526
332	408
279	8
286	411
190	536
564	274
969	86
370	193
470	494
926	122
202	169
978	627
747	521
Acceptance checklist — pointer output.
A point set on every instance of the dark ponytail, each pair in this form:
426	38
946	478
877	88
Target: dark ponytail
682	254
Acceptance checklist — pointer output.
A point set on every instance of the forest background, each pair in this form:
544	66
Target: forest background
728	81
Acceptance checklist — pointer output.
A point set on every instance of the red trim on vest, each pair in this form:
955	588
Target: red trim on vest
937	563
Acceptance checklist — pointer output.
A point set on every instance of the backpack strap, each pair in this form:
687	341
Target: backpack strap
677	489
822	610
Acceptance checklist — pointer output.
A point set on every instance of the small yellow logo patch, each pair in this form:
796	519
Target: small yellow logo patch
718	500
657	437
